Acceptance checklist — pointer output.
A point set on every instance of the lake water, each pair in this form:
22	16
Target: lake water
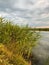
42	49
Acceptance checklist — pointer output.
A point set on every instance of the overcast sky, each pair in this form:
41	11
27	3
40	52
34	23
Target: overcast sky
32	12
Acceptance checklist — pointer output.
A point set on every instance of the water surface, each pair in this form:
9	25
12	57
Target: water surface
42	49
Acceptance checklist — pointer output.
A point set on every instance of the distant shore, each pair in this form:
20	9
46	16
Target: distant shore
39	29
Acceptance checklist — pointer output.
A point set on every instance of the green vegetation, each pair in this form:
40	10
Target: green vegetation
46	61
16	43
39	29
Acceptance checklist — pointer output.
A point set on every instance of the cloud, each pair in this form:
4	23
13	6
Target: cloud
3	14
34	12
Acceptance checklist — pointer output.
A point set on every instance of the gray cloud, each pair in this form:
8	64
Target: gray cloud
32	11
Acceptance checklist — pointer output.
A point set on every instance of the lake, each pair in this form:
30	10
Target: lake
41	51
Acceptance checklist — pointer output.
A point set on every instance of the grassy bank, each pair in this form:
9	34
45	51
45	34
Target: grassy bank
16	43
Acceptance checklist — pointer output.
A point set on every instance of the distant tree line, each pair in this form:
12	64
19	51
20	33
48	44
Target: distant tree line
39	29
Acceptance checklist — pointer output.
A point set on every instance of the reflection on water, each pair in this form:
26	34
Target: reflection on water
45	36
42	49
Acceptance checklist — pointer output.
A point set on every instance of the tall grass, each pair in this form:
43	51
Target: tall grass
17	41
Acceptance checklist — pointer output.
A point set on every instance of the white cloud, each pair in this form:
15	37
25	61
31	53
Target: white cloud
19	20
40	4
3	14
31	11
45	15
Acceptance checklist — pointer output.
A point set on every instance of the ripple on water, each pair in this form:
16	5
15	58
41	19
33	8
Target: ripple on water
42	49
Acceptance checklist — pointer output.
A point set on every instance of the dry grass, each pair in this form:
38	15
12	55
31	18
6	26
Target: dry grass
8	56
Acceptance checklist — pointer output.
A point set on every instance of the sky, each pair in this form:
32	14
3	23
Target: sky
32	12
